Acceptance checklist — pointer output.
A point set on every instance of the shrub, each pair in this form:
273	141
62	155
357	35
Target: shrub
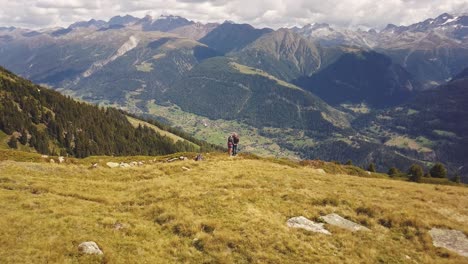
371	167
415	172
349	162
393	172
13	143
438	171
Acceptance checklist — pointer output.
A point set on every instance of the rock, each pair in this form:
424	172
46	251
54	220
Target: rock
112	164
61	159
453	240
133	163
94	166
44	156
336	220
89	247
368	172
141	163
185	168
52	161
124	165
182	158
173	159
304	223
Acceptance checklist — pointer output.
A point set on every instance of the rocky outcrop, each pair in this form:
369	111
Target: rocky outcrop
453	240
90	247
304	223
336	220
131	43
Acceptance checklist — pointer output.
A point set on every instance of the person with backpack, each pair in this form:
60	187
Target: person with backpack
230	144
235	142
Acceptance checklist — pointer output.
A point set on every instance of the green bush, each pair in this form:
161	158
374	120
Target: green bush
393	171
438	171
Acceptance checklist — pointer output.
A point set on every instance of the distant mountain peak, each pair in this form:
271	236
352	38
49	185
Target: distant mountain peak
89	23
123	20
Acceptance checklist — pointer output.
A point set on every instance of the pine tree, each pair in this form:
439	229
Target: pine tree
349	162
415	173
438	171
371	167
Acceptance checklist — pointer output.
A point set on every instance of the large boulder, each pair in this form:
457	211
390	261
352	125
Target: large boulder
90	247
453	240
112	164
304	223
336	220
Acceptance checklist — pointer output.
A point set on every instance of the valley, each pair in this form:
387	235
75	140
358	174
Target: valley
313	92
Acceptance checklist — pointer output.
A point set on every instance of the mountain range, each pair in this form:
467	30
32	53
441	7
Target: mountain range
393	97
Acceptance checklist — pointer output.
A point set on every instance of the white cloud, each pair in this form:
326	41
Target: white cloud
260	13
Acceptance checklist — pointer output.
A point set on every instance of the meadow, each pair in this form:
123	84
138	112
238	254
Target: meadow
219	210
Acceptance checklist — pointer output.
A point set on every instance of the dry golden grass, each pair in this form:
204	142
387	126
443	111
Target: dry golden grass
224	210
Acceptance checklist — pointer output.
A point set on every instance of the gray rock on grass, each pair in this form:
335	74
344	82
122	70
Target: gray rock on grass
112	164
90	247
304	223
453	240
124	165
337	220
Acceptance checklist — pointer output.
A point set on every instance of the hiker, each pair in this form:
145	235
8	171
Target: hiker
235	141
230	144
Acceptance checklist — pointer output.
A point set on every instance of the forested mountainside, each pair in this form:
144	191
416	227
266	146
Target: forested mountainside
50	123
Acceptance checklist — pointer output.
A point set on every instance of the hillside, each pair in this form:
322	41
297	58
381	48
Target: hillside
50	123
282	53
222	88
374	79
221	210
436	119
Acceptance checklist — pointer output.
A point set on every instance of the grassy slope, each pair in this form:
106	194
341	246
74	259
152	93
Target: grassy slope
253	71
222	210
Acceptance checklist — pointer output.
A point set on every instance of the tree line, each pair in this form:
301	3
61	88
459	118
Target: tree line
55	124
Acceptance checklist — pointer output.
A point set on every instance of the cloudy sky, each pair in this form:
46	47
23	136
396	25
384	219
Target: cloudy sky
260	13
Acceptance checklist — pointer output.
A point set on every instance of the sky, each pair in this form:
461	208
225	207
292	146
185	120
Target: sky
260	13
